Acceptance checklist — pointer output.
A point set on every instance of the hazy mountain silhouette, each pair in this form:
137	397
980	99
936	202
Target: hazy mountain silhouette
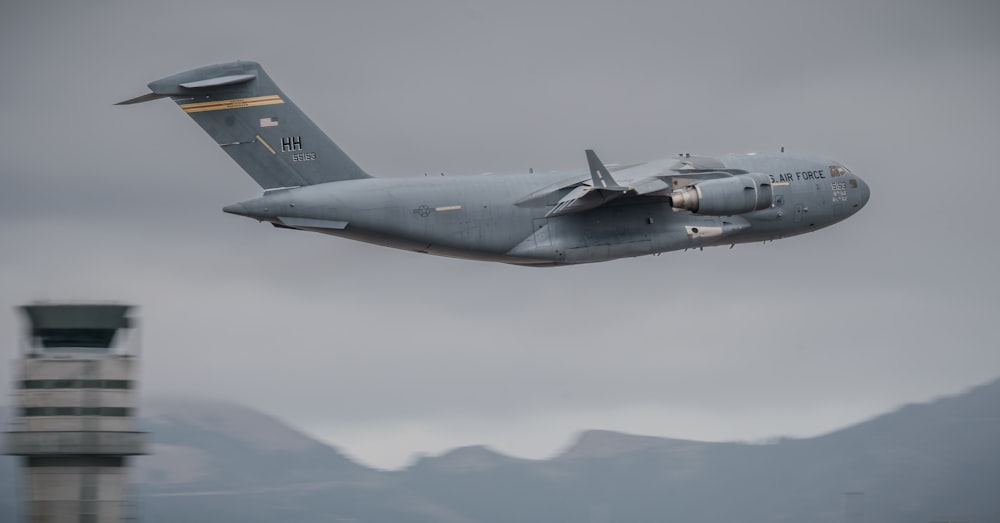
226	463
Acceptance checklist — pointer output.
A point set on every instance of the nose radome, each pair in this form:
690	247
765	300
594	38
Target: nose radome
236	208
863	193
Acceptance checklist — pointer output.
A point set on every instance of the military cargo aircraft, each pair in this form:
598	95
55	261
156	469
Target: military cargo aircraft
529	219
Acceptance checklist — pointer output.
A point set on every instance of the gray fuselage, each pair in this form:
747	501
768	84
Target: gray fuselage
584	216
486	217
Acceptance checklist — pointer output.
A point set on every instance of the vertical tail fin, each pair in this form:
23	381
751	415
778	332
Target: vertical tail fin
240	107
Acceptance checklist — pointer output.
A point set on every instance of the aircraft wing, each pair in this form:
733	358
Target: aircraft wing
651	180
603	189
584	198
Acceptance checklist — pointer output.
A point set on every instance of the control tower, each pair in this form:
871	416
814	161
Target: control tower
75	421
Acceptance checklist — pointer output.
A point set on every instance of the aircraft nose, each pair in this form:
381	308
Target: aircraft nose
236	208
862	193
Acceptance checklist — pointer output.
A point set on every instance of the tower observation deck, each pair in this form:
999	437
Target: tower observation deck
75	428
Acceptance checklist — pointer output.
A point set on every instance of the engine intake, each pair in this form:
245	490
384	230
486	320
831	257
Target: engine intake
726	196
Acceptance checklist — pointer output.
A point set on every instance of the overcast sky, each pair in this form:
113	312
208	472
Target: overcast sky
387	353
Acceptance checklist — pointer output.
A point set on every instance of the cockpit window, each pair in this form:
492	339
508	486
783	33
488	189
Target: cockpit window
838	170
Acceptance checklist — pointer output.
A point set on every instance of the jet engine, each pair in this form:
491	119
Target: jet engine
726	196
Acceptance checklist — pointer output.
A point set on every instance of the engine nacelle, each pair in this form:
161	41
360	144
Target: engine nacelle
726	196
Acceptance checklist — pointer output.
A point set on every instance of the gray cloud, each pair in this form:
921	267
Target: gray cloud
351	341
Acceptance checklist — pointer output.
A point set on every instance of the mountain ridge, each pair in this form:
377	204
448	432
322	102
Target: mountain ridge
223	462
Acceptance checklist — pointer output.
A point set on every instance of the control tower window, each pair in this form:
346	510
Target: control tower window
76	384
75	338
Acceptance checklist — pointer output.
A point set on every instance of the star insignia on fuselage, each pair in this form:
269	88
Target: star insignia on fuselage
424	211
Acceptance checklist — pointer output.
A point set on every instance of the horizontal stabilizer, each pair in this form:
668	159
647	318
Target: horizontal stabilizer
232	79
163	89
148	97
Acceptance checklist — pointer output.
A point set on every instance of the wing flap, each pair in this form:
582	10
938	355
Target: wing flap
539	198
581	199
604	188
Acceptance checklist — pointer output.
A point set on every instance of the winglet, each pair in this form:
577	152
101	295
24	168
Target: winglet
599	173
